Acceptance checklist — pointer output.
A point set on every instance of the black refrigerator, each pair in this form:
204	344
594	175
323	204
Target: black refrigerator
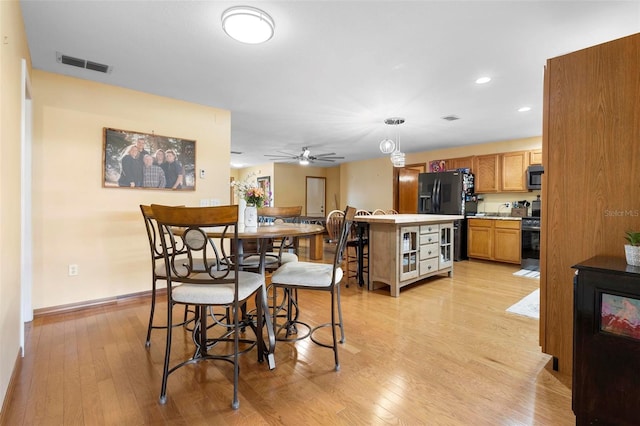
449	193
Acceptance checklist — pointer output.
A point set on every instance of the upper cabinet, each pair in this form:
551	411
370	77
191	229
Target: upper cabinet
504	172
486	170
501	172
459	163
535	157
514	170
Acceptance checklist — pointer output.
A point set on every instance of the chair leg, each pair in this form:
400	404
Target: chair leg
153	308
341	324
235	404
167	353
333	328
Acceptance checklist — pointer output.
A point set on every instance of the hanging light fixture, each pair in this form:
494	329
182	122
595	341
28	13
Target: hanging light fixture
388	146
247	24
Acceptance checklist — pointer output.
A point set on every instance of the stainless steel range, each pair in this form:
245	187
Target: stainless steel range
530	252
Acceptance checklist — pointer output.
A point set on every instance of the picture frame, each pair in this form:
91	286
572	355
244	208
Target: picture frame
264	182
171	167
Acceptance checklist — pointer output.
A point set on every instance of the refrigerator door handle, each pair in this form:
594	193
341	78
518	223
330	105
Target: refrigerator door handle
438	195
434	199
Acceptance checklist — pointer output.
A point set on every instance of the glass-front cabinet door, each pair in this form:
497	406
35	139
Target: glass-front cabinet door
446	245
409	252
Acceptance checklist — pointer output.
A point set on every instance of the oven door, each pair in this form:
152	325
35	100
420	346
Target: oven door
530	253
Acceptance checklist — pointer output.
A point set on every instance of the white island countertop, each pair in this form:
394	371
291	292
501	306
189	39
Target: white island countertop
406	219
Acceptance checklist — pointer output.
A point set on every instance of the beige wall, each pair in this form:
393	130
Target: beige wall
12	50
76	220
290	182
368	184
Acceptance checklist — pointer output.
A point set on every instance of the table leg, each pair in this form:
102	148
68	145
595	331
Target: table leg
316	247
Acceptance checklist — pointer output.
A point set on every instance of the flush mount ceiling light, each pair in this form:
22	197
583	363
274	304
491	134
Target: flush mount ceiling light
483	80
247	24
388	146
524	109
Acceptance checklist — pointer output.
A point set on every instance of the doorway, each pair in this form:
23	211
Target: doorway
405	187
315	196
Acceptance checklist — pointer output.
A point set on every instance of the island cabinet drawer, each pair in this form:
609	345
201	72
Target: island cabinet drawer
428	238
427	229
428	265
428	251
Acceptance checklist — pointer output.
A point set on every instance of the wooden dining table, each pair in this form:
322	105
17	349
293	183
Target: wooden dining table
262	234
267	231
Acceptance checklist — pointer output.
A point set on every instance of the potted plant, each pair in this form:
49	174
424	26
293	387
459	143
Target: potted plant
632	250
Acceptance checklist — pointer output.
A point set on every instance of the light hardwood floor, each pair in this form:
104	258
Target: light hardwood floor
444	353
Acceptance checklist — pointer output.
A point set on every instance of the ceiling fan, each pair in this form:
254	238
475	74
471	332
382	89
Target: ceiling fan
305	157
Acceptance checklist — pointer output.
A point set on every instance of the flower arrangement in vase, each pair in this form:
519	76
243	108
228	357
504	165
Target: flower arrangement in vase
250	197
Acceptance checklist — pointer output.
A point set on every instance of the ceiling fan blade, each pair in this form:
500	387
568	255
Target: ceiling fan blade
280	156
322	159
324	155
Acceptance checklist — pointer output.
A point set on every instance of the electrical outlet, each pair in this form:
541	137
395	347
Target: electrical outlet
507	205
202	173
73	270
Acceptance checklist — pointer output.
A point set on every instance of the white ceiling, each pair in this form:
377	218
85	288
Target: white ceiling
335	69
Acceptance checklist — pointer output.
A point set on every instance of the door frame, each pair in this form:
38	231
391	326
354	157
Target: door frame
396	181
26	223
306	190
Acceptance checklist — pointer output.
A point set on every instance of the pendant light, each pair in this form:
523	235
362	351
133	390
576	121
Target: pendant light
388	146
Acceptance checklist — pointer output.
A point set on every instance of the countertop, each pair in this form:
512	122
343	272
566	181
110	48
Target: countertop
408	218
495	216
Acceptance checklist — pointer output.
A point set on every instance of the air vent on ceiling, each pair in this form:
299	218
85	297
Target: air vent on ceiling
82	63
451	118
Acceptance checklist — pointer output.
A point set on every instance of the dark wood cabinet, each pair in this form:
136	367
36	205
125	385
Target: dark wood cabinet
606	342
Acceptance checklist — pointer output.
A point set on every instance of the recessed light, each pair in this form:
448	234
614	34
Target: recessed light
483	80
524	109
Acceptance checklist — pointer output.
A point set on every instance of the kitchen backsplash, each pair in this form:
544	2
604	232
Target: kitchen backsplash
495	203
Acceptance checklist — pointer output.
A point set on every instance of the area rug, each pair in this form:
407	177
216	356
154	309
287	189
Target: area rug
528	306
527	273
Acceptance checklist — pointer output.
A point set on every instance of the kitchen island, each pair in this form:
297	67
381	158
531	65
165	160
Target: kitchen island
405	248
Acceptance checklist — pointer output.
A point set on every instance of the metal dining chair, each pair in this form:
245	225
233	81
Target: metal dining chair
158	270
295	276
198	281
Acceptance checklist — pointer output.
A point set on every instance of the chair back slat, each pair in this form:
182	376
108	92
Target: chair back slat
206	262
334	224
345	231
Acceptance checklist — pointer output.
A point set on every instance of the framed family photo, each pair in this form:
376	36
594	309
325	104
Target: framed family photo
148	161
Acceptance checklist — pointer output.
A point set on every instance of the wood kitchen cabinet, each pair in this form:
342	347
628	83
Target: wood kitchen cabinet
486	169
480	238
505	172
494	239
535	157
513	168
459	163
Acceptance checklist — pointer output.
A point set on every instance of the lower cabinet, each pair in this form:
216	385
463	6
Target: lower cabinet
494	239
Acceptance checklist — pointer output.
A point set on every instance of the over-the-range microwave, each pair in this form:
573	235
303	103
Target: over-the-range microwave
534	176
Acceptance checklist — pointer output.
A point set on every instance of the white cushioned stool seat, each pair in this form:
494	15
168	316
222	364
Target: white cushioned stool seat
307	274
217	294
